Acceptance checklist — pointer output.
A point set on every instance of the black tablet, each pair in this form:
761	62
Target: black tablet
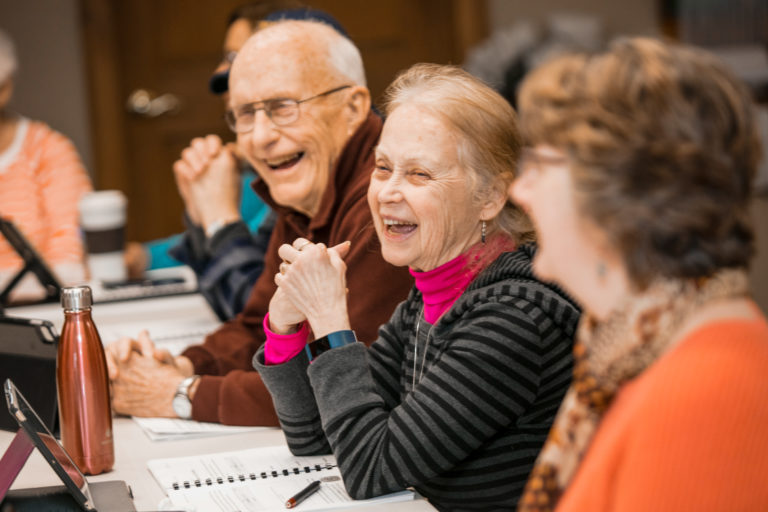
28	358
33	262
49	447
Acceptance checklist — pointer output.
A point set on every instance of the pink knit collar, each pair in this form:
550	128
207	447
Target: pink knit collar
441	286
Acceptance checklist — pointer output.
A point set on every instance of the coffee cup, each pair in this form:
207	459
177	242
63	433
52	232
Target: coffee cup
102	219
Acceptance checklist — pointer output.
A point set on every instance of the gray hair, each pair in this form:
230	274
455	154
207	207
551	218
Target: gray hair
341	56
8	61
345	58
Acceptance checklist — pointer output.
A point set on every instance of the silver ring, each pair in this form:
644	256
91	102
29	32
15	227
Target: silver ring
306	243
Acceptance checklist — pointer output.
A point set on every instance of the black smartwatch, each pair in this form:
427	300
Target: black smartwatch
332	340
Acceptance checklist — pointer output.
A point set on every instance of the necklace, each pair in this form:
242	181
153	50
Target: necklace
416	349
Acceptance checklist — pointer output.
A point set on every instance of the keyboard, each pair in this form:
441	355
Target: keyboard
158	283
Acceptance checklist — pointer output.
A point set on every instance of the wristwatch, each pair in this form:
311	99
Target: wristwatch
333	340
181	403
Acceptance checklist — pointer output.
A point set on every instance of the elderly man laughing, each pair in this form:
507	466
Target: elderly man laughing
303	119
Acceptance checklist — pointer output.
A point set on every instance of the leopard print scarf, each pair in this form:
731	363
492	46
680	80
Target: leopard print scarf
606	355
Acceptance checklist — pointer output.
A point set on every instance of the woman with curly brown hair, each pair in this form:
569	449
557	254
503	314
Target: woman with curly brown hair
638	180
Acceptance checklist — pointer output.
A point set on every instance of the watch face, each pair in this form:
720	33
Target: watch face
182	406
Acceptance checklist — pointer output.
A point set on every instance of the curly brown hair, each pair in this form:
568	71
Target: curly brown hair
663	147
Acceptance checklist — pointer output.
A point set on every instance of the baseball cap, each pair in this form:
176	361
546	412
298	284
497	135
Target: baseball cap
219	82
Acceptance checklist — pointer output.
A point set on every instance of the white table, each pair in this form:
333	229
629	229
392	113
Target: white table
133	449
173	322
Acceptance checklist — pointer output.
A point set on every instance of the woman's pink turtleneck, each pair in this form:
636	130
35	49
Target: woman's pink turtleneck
441	286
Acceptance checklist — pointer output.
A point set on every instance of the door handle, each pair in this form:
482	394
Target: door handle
146	104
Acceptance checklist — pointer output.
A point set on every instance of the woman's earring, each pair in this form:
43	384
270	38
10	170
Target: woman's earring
482	232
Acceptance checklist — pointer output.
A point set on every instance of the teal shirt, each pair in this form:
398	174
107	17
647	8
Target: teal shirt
252	209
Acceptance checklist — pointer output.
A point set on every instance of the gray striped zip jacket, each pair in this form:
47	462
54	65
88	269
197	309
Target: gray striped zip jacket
497	365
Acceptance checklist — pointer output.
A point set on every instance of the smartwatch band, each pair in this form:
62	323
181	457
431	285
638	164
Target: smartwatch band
332	340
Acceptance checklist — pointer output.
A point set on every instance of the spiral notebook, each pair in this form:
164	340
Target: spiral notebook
258	479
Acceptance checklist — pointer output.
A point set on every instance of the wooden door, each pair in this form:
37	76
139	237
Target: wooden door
171	47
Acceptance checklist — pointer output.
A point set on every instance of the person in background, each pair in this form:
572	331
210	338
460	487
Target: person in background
309	132
41	181
457	394
638	180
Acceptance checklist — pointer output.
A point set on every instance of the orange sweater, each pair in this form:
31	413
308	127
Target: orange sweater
41	182
690	433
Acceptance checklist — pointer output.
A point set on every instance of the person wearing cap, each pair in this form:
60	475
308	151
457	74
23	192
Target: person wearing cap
41	181
309	131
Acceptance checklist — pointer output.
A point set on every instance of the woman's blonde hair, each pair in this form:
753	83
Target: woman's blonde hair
663	147
486	128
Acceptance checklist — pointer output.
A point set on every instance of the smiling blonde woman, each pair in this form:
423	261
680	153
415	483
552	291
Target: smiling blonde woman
457	393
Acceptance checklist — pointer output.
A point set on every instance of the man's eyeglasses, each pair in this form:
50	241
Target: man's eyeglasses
282	111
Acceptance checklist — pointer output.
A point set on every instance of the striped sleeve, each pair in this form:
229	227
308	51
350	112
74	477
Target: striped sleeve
294	400
486	376
295	404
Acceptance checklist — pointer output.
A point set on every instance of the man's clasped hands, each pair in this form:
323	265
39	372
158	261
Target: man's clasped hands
311	283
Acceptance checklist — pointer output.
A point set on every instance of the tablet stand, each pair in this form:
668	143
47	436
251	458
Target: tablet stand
52	290
13	460
32	263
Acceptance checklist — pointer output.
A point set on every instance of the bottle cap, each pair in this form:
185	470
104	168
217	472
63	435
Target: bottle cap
76	298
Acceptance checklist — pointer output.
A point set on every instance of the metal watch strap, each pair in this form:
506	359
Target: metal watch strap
332	340
182	393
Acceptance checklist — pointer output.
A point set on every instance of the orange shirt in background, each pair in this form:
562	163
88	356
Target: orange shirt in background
689	433
41	182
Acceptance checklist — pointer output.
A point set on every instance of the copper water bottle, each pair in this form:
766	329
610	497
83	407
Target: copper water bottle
85	412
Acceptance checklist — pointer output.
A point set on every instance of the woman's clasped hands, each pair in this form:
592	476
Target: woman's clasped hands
311	286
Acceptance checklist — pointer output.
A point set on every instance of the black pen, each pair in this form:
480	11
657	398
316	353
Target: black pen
303	494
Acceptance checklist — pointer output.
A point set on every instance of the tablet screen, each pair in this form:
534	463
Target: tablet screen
49	447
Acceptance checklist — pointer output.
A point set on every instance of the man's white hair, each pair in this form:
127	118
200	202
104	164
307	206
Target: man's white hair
7	57
343	57
346	59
